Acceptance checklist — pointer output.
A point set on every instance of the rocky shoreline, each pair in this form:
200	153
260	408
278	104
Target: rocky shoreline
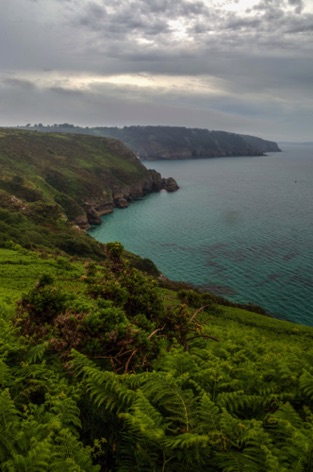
95	208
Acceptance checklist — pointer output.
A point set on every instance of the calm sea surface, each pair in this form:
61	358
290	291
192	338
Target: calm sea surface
241	227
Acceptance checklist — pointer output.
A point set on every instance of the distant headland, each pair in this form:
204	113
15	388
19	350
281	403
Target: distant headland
173	142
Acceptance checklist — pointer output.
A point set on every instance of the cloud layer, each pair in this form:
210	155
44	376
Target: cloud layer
242	65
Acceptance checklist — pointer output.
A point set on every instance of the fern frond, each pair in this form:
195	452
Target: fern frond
5	374
9	415
178	404
107	390
232	427
69	455
36	352
287	413
141	426
65	410
306	384
235	461
39	455
240	403
208	415
187	441
79	361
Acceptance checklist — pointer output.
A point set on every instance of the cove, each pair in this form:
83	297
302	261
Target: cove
240	227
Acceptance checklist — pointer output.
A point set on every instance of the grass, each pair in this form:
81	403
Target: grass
48	179
20	270
79	166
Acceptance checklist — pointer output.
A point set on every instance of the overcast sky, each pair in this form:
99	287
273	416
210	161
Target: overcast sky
244	65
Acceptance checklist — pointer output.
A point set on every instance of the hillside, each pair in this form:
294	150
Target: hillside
73	177
169	142
107	366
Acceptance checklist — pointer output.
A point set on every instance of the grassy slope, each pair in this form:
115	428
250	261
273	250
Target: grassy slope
20	270
64	169
254	372
46	180
31	154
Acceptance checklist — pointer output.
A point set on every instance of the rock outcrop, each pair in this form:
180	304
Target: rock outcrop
105	204
169	184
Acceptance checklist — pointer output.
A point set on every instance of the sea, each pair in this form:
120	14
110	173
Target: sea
239	227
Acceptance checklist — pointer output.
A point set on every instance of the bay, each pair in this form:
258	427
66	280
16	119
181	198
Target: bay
240	227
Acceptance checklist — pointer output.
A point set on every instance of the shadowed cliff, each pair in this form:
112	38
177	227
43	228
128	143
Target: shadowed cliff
171	142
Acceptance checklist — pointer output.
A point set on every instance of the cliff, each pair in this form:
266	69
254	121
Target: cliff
261	144
161	142
70	179
170	142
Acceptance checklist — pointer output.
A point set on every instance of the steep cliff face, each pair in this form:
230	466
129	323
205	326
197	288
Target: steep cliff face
151	143
173	142
159	142
124	194
261	144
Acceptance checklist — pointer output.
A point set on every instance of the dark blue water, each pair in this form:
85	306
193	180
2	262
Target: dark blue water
241	227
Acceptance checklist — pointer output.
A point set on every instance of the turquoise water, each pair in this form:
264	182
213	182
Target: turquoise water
241	227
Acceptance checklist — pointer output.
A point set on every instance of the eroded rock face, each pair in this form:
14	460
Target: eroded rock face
82	222
170	184
95	208
120	201
93	216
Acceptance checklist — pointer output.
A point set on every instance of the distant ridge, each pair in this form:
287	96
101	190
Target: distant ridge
173	142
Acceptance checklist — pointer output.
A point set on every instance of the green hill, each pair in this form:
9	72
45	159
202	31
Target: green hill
174	142
106	366
50	181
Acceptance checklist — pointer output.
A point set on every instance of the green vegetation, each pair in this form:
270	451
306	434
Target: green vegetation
54	178
173	142
105	366
103	369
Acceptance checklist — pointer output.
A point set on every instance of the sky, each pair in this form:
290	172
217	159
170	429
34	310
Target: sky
244	66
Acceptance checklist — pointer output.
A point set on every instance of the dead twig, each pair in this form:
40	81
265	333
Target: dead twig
156	331
129	359
197	312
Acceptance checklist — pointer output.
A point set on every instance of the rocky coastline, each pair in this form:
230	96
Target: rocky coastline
95	208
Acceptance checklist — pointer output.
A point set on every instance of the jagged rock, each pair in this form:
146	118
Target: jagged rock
82	222
170	184
93	216
120	201
151	182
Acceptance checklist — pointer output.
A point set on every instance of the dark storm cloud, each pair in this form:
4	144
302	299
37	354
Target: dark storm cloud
139	18
142	34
